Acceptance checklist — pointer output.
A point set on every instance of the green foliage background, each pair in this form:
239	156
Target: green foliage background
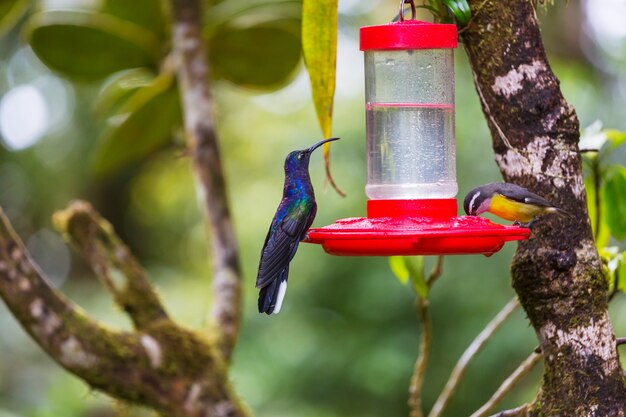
347	338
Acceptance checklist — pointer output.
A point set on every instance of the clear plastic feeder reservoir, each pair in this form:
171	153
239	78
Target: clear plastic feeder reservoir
409	94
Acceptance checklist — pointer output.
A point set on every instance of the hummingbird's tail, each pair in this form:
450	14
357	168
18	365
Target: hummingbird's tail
271	296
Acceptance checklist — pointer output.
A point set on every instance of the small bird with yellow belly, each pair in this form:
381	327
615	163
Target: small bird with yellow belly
509	201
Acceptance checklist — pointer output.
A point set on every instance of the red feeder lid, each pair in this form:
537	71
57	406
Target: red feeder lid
413	235
409	34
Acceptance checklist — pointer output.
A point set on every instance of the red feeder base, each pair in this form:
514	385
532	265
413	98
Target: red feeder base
414	227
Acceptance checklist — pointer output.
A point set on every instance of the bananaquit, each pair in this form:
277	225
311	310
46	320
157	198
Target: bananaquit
509	201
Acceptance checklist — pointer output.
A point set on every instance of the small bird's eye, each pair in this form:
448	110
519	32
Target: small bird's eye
300	156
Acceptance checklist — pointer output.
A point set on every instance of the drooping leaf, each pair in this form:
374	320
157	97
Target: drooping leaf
399	268
89	45
145	13
144	124
263	56
319	47
460	9
11	11
615	199
119	87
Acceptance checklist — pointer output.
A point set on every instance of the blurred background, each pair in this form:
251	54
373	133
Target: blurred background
347	338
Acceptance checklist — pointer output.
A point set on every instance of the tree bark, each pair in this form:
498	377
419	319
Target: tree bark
557	273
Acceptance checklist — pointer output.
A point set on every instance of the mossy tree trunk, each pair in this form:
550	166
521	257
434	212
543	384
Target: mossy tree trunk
557	274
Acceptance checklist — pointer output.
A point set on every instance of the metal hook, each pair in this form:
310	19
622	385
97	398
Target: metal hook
413	11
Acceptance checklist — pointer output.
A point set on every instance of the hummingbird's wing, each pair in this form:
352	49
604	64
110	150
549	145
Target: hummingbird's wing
280	247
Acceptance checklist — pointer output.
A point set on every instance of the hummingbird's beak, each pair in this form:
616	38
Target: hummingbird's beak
320	143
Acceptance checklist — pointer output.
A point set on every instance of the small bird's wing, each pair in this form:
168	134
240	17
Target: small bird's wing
280	247
535	200
522	195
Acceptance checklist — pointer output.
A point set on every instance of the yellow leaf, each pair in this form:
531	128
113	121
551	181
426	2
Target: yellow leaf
319	47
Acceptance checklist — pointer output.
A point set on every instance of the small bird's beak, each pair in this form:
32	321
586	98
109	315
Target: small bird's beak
320	143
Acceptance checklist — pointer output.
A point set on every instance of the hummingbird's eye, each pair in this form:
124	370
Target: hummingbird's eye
300	155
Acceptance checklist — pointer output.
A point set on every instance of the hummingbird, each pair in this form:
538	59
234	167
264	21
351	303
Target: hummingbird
293	218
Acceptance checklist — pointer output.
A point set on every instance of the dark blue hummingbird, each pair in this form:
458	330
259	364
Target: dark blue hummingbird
293	218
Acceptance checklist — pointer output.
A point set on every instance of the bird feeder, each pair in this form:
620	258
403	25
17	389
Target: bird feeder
411	162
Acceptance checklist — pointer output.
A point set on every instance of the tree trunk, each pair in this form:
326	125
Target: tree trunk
557	273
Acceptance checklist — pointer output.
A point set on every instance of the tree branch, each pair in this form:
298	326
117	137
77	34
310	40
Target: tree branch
508	384
476	346
557	274
421	364
164	366
436	272
193	75
93	237
426	335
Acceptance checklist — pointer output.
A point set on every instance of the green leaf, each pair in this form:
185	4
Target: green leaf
614	196
120	87
319	47
263	56
145	13
143	125
399	268
252	11
11	11
88	45
460	9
